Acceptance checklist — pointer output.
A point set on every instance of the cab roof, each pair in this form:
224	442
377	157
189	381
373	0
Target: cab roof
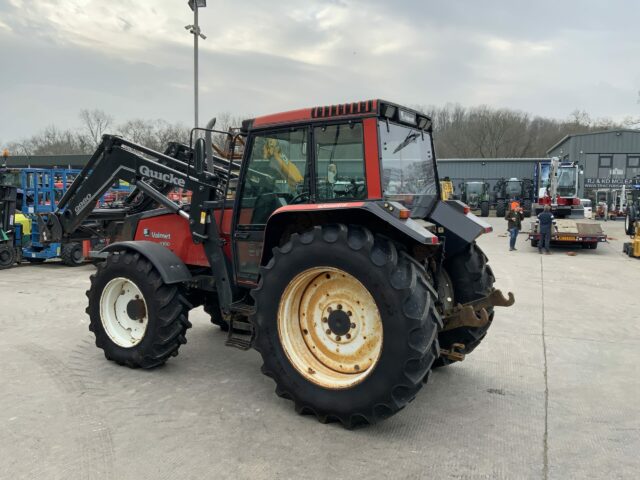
366	108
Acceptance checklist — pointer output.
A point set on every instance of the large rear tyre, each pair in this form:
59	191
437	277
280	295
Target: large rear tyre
501	209
7	256
526	208
137	319
346	324
471	278
484	209
71	254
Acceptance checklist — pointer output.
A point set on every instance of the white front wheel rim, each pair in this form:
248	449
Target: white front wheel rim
123	312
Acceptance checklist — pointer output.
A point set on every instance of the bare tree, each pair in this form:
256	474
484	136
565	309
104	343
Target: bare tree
95	123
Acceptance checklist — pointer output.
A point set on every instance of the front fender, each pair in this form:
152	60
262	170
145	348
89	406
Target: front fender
171	268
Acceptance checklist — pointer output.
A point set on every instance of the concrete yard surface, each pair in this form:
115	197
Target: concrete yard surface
552	392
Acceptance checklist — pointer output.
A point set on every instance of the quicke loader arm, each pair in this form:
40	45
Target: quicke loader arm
152	174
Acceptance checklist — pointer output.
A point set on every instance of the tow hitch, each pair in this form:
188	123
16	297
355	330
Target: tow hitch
474	314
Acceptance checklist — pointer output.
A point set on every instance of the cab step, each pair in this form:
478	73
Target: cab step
240	334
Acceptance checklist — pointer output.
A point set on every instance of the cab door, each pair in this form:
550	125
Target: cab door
275	174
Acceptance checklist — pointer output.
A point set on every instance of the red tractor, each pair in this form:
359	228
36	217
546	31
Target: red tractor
336	259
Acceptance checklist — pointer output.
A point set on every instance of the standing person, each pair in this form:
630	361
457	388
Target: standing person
545	223
514	218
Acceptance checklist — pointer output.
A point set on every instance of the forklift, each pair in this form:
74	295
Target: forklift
350	295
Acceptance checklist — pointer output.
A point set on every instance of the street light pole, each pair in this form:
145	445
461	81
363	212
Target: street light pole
195	31
195	64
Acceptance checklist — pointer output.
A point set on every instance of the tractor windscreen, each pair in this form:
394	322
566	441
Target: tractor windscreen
568	181
513	189
408	167
475	188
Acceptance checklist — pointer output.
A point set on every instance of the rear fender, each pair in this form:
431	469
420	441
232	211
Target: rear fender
171	268
459	228
379	216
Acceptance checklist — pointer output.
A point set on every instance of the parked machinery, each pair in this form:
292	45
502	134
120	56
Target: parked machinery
557	186
350	298
513	189
476	195
8	252
446	189
632	215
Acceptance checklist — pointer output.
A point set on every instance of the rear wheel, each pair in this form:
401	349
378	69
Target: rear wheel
526	208
484	209
137	319
7	256
501	208
471	278
72	255
346	324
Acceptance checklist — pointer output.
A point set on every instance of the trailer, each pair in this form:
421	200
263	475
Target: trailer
570	232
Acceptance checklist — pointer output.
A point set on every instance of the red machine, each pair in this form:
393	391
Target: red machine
329	261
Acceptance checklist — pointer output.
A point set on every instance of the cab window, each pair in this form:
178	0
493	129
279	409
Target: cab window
276	175
340	162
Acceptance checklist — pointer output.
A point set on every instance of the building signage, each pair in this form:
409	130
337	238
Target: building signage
607	182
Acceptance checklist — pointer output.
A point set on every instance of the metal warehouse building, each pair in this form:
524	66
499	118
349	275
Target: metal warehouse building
609	160
486	169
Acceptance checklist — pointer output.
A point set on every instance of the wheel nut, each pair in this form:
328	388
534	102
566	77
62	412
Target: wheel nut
338	338
325	319
339	307
349	312
353	325
329	309
348	335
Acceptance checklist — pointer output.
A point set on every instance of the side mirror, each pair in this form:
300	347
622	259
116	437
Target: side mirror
332	173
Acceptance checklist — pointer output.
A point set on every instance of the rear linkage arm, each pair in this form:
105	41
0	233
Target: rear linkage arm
472	314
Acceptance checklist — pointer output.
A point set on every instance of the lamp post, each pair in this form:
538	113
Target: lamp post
195	31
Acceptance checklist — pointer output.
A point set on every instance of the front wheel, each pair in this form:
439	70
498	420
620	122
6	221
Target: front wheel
484	209
501	208
7	256
137	319
470	279
72	255
346	324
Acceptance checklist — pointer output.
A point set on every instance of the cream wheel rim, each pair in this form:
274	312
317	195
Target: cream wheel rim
330	328
123	312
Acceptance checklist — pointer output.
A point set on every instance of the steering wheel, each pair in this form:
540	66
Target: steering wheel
299	198
354	190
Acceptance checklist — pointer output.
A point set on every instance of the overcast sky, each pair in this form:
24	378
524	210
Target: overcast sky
134	59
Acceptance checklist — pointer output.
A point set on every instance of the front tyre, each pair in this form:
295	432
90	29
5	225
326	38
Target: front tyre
471	278
8	256
137	319
345	324
71	254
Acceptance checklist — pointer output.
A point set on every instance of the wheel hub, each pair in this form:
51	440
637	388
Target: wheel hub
330	327
136	309
123	312
339	322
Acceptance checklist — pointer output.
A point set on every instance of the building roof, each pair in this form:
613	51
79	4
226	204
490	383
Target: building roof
567	137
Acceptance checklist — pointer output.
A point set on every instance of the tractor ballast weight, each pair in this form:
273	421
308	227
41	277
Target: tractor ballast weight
337	259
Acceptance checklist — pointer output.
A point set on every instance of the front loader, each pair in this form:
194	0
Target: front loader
336	260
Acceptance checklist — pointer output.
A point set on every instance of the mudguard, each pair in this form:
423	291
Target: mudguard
171	268
460	227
